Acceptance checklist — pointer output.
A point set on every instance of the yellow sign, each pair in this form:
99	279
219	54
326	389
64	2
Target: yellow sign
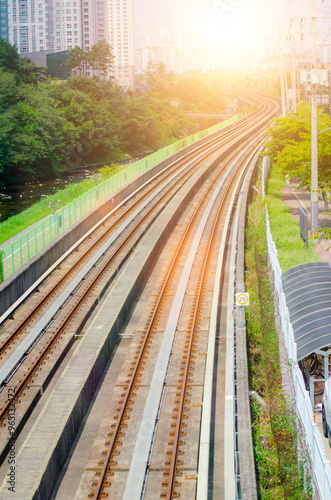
242	299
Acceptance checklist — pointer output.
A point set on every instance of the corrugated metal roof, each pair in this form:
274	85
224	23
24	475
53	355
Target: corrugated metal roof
308	295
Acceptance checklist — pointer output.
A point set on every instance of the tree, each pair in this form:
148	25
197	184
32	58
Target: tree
101	57
159	79
35	137
24	69
198	93
77	59
290	147
93	109
8	90
29	72
151	123
9	57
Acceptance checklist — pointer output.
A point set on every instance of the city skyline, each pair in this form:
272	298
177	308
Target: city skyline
237	25
183	35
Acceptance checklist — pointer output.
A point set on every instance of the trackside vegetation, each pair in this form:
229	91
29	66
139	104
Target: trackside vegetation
280	474
284	228
38	211
50	126
289	146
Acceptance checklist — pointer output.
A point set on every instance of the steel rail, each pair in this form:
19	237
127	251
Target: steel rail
119	418
218	142
43	300
100	271
177	433
43	355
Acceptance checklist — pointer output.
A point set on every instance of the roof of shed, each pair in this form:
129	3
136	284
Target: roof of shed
308	295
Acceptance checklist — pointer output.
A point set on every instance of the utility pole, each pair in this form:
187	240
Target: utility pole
299	90
314	164
287	96
294	83
281	73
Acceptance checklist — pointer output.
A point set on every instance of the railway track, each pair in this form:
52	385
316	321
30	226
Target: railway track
45	327
194	258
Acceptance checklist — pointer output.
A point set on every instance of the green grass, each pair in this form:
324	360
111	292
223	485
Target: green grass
275	434
17	223
284	228
38	211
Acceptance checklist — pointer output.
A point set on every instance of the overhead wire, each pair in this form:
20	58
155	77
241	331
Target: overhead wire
300	31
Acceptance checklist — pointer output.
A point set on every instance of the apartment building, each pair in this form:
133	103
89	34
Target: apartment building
153	54
179	50
95	22
4	28
64	24
27	24
121	39
47	26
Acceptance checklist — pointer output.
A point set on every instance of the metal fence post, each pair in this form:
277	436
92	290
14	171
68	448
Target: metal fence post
35	240
28	245
12	257
43	231
2	271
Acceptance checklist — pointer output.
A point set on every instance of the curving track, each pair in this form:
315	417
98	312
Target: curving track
149	440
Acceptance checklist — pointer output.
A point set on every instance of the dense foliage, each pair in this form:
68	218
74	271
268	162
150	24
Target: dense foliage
291	250
194	91
99	58
290	146
46	127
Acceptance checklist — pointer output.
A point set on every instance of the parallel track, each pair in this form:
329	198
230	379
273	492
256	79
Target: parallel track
121	420
108	267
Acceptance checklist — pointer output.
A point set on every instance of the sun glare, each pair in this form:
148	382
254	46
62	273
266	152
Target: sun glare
239	29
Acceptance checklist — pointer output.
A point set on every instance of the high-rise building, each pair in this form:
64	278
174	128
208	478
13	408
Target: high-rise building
95	22
153	54
27	25
179	50
59	25
142	38
39	25
64	25
121	39
4	28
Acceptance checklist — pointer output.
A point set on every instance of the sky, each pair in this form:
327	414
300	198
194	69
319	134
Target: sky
237	24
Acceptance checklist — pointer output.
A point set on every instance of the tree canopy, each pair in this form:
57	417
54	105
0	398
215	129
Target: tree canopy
100	58
24	70
77	59
48	126
290	146
194	91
